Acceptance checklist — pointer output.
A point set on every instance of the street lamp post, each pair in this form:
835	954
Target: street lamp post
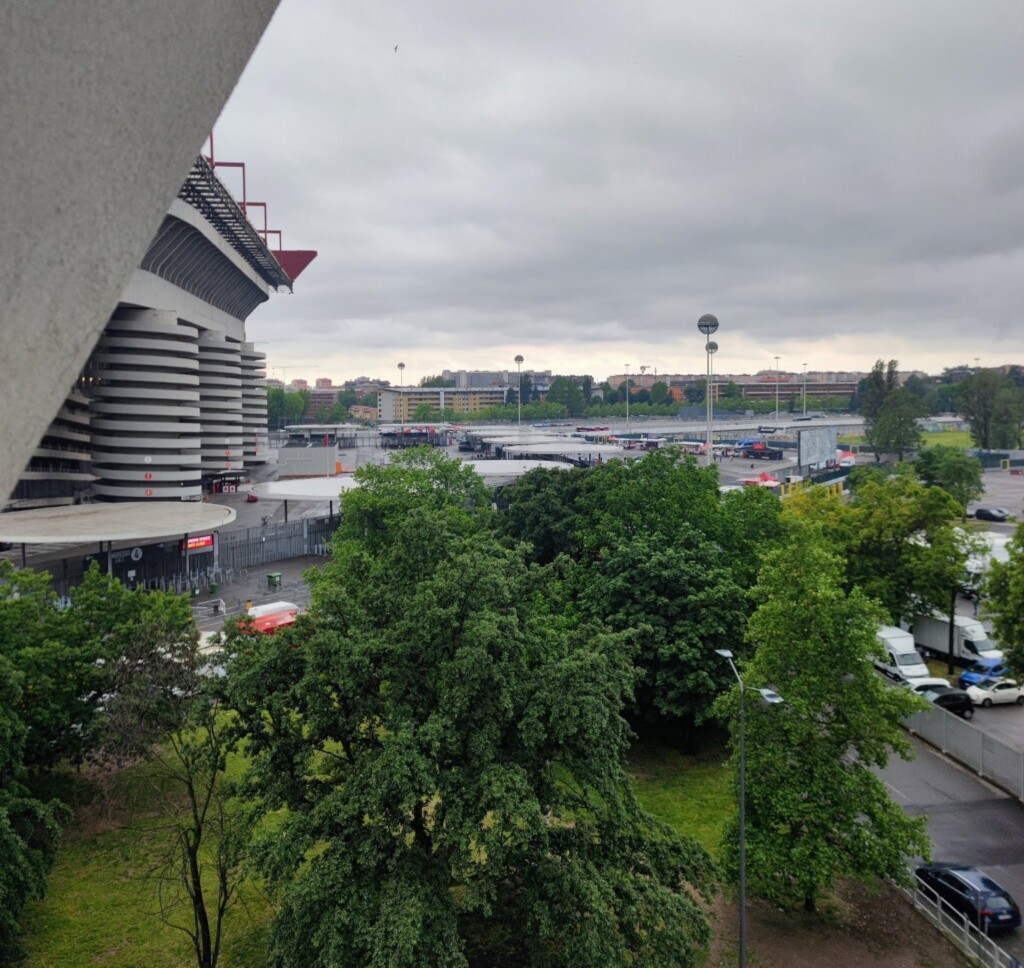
398	397
776	388
401	371
805	389
519	392
708	325
768	696
627	396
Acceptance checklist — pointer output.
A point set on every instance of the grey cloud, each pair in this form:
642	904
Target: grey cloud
589	174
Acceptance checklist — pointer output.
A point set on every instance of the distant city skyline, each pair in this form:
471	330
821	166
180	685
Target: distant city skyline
410	379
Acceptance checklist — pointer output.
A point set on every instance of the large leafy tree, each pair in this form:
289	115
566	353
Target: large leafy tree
567	393
895	430
994	406
449	753
682	599
1003	593
815	808
659	551
872	392
29	826
540	508
899	540
954	471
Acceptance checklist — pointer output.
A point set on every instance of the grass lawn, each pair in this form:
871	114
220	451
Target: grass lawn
102	902
947	438
101	906
690	793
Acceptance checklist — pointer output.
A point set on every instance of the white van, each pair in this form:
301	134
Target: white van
897	655
970	640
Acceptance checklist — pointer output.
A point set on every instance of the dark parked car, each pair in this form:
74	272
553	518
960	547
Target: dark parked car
953	700
981	670
973	893
991	514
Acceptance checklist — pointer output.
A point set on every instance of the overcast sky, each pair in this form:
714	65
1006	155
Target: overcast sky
579	180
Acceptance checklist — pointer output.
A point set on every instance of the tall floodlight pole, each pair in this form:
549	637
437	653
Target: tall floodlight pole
805	389
627	396
398	397
708	325
768	696
519	392
776	388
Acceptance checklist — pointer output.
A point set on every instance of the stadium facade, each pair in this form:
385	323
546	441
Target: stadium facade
173	397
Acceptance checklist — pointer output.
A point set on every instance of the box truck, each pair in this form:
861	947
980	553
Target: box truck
970	640
897	656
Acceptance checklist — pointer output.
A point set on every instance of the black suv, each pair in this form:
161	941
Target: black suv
991	514
970	892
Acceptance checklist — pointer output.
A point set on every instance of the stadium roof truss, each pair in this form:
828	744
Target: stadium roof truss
205	193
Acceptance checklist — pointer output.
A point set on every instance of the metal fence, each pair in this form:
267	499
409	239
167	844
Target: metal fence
978	946
255	547
995	761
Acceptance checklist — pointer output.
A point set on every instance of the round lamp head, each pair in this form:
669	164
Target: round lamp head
519	360
707	324
712	346
401	366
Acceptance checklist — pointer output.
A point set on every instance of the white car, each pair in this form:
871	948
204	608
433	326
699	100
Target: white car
992	691
923	684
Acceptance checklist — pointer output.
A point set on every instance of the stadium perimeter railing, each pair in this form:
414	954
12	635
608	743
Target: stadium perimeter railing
975	944
988	757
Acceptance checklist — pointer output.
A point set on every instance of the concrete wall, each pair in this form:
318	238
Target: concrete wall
103	108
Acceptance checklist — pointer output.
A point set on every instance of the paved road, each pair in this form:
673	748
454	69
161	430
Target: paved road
969	821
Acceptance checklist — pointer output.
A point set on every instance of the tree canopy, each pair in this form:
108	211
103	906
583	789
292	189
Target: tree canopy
448	748
994	406
815	810
954	471
1003	595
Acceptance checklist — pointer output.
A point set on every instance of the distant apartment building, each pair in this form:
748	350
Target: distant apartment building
322	398
365	384
399	404
324	383
465	379
360	412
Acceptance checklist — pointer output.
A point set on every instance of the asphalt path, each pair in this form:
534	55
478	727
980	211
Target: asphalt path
969	821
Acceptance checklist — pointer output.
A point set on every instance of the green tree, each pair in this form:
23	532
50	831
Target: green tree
163	710
1008	419
567	393
952	470
29	827
1003	596
875	387
609	393
696	391
894	430
540	509
659	393
899	540
275	408
681	599
994	406
526	388
424	412
436	381
816	811
296	405
449	751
